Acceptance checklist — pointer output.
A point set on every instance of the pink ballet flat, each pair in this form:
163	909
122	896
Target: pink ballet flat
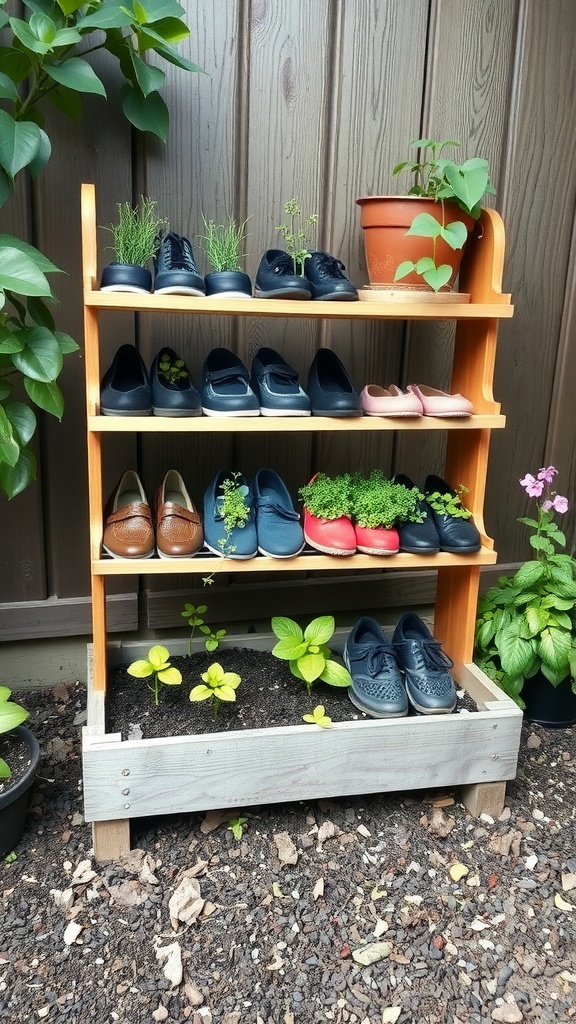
439	403
377	401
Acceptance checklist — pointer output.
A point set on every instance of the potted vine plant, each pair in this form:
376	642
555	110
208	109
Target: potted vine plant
14	785
136	236
418	239
222	245
526	626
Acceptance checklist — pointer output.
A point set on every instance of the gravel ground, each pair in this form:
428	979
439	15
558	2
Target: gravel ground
374	910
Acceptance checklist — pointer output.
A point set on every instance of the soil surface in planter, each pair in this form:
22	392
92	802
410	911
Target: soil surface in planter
17	756
268	695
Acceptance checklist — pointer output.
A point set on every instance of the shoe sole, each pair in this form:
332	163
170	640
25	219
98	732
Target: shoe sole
239	558
370	711
283	412
376	551
271	554
127	558
461	551
133	289
230	415
229	295
394	415
125	412
420	551
431	711
336	297
328	551
283	293
177	289
191	554
174	413
336	413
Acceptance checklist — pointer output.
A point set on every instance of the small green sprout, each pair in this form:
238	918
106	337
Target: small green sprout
318	717
159	668
218	686
307	652
10	858
449	504
194	619
235	513
236	827
296	238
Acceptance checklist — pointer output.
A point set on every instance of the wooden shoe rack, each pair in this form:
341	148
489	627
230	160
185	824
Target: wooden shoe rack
476	751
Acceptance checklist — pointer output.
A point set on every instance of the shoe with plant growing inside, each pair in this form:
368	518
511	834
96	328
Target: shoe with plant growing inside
229	522
175	268
453	521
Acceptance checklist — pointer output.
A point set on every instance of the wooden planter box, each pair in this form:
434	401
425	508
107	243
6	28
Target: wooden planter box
477	752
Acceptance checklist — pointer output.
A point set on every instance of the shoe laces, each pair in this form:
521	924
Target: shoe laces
278	510
379	657
428	655
180	256
329	266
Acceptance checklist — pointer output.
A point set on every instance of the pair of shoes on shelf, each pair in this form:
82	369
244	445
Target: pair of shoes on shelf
175	272
342	536
323	278
242	520
417	400
446	524
130	531
390	676
128	390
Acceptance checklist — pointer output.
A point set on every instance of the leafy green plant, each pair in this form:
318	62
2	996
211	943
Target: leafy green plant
218	686
443	180
527	623
376	501
137	232
11	716
46	57
194	619
235	513
159	668
172	370
318	717
236	827
449	504
328	497
222	244
296	234
307	651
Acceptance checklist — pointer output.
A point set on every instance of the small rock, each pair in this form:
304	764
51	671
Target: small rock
507	1013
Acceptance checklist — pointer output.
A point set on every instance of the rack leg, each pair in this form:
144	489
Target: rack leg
111	839
484	798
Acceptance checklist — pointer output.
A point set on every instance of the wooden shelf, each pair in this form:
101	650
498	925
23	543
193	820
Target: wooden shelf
273	424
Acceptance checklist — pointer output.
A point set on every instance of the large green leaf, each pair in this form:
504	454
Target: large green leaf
46	396
311	666
536	619
335	674
455	234
14	480
76	74
289	649
14	63
20	273
41	357
140	669
39	259
554	649
172	30
8	90
27	37
148	77
515	652
67	344
469	182
19	143
11	715
9	447
283	627
147	113
425	226
438	277
175	58
70	6
67	102
319	630
42	156
108	16
23	421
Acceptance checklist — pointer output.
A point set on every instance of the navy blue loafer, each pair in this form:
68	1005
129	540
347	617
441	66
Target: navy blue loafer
173	393
377	687
330	389
278	528
236	539
456	530
429	685
276	385
417	538
125	389
175	268
327	282
276	278
226	387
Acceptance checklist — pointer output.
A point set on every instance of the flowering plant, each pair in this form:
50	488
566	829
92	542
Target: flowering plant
527	623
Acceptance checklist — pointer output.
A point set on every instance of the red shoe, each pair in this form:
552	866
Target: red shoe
378	541
331	536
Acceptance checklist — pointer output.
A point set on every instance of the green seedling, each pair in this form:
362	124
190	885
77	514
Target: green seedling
296	237
159	668
307	651
171	369
11	716
194	619
318	717
236	827
218	686
449	504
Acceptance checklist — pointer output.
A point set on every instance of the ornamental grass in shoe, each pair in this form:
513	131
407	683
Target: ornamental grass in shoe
429	685
377	686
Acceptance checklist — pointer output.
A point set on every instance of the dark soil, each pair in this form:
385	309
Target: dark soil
475	918
15	752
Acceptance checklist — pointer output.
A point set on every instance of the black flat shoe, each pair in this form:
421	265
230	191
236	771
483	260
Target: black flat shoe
330	389
456	530
125	387
327	282
417	538
173	393
276	278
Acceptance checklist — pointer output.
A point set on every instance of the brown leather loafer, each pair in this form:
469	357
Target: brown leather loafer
128	530
179	531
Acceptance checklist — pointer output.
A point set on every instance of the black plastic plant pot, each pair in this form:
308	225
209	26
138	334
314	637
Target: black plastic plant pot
14	801
232	284
125	277
554	707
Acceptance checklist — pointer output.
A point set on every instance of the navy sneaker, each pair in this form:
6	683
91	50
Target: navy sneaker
238	541
278	528
276	278
456	531
417	538
429	685
175	268
226	387
330	389
276	385
125	389
377	687
327	282
173	393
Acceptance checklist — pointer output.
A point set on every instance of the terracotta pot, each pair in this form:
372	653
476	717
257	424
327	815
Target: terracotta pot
14	801
385	221
551	706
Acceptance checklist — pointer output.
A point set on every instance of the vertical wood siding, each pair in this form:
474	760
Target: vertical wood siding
319	101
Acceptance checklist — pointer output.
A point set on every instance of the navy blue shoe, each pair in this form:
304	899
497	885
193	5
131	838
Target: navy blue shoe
173	393
417	538
278	528
377	688
226	387
175	268
327	282
429	685
236	539
330	389
276	278
276	385
125	387
456	530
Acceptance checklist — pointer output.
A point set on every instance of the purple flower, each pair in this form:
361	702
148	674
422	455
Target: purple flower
547	473
532	486
560	504
546	506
